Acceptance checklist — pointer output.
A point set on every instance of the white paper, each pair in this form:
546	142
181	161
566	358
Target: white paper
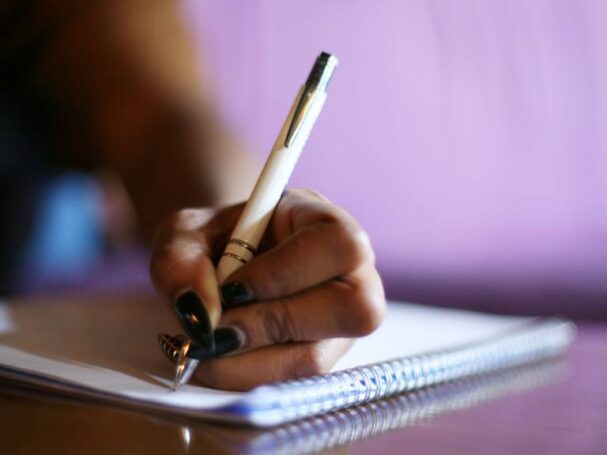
107	346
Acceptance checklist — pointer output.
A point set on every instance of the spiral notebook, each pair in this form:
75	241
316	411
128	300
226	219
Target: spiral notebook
364	421
105	348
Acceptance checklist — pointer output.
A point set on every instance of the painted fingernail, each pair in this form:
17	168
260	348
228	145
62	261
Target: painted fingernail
236	293
227	339
194	318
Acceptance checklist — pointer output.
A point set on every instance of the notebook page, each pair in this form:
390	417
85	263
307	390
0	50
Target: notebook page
106	346
414	329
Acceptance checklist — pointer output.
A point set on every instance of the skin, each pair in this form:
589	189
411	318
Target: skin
117	88
314	281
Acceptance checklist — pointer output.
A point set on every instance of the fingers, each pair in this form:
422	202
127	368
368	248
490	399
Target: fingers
351	307
274	363
317	242
215	227
183	272
314	287
182	269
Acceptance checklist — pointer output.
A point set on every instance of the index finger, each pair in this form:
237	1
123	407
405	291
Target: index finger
182	268
317	242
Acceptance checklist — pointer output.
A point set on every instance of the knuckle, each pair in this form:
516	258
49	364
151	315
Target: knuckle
173	221
278	323
186	219
183	219
176	252
313	361
355	244
367	309
169	226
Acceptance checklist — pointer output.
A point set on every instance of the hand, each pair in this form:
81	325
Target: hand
290	312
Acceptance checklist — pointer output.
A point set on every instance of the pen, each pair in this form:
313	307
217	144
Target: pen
253	221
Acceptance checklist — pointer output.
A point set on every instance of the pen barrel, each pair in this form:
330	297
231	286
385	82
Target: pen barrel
266	194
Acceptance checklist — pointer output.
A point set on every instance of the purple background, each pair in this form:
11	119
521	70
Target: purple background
466	136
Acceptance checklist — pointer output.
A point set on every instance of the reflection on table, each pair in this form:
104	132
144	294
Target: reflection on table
360	422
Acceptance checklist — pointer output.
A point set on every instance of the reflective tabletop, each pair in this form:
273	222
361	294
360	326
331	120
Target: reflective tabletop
556	407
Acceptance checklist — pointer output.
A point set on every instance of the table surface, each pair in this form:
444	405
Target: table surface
561	408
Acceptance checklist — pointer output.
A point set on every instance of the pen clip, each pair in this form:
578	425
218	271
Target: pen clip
317	83
302	109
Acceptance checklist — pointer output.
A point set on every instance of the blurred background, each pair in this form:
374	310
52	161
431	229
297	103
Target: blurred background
468	137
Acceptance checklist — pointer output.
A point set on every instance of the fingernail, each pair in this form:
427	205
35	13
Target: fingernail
236	293
227	339
194	318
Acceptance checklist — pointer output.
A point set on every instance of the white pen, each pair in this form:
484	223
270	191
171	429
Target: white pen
253	221
293	135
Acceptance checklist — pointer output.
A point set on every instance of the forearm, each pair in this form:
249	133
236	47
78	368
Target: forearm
120	86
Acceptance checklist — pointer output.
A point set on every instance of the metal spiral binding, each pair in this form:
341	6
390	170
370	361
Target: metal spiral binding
360	422
303	398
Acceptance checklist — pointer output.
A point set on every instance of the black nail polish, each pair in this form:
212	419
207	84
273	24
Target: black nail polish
194	318
236	293
226	339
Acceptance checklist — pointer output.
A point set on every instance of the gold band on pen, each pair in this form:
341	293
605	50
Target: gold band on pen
247	246
235	256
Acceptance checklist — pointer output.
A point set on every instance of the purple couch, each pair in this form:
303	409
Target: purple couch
468	137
